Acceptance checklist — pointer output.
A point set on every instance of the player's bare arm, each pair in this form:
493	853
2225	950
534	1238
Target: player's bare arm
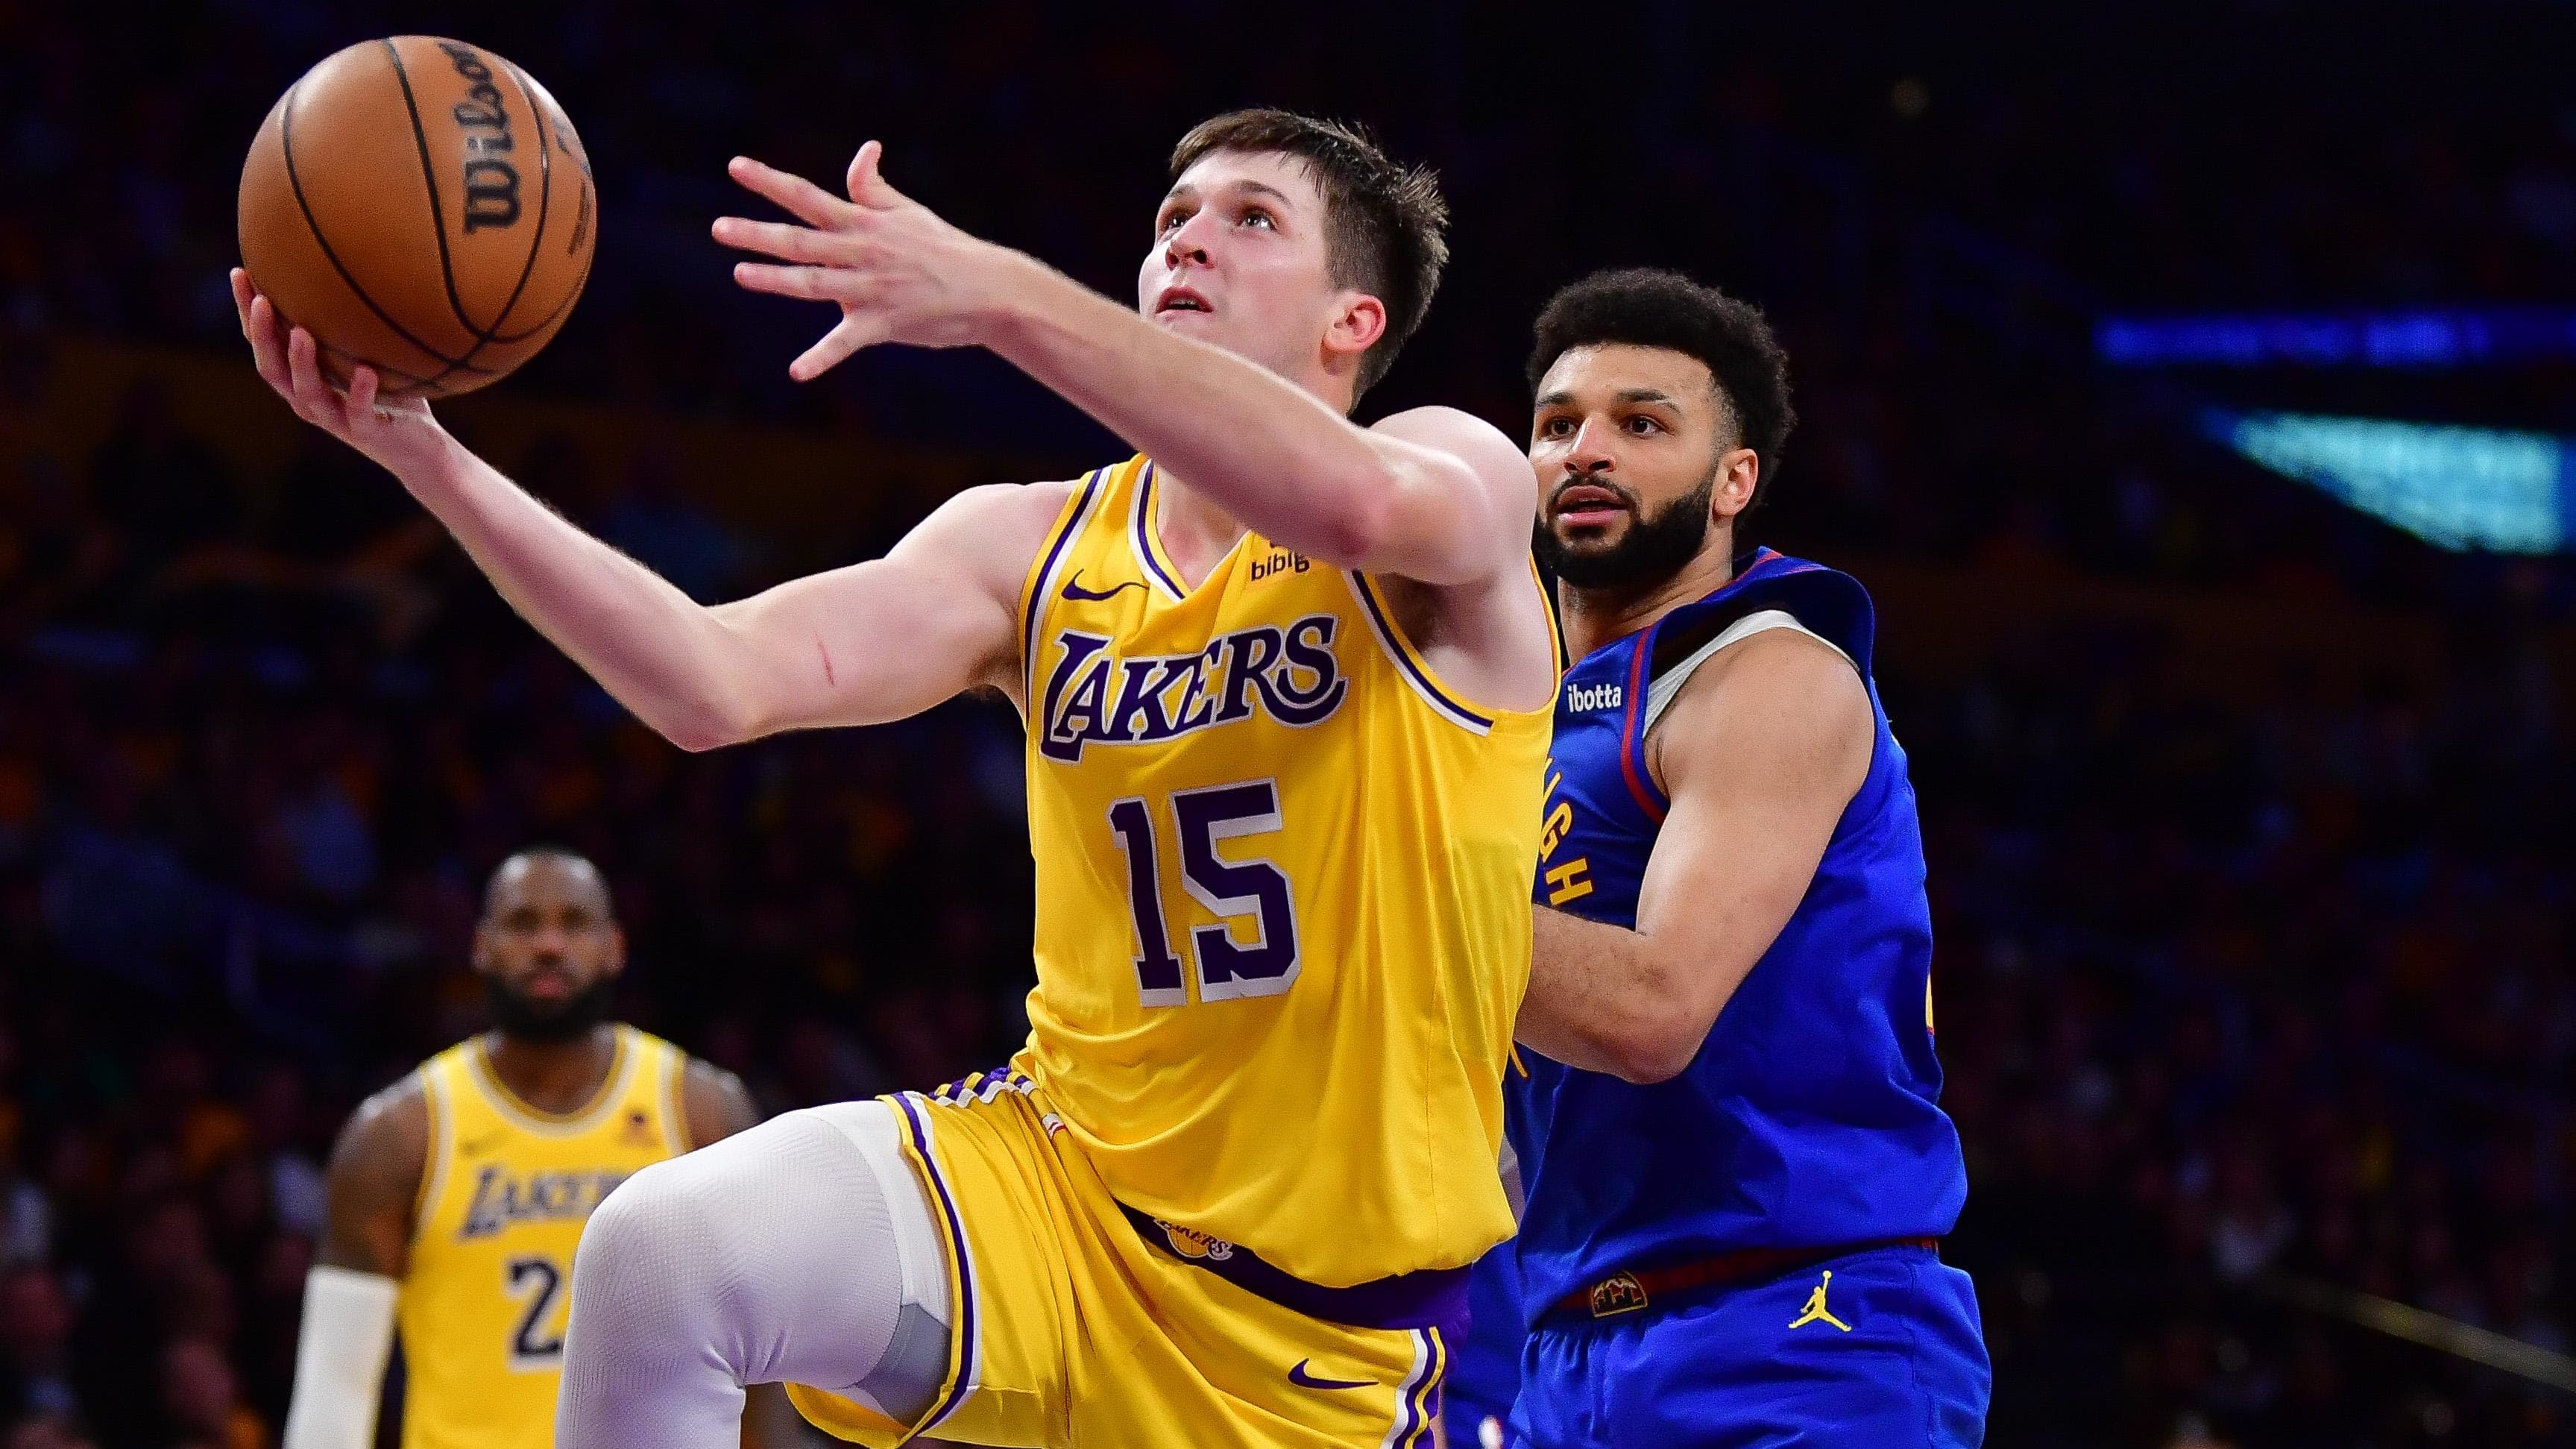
889	638
347	1332
1759	754
1434	495
715	1103
374	1180
872	642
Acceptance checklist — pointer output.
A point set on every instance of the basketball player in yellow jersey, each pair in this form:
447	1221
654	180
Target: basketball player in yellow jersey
1286	682
457	1194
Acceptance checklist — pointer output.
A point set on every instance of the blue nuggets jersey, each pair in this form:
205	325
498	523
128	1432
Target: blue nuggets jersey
1808	1118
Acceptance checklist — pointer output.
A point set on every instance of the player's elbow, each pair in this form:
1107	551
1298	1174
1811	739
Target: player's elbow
702	725
697	739
1674	1004
1654	1051
714	700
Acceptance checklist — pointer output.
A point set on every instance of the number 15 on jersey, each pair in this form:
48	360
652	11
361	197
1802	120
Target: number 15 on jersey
1233	889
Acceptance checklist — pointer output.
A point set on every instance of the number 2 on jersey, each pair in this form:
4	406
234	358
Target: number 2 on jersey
1230	888
540	1282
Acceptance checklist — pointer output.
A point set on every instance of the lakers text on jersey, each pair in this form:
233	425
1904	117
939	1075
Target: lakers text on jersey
508	1188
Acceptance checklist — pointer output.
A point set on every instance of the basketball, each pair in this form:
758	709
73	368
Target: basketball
422	207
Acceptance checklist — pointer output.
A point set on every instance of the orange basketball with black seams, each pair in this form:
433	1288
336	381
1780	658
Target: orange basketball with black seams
421	206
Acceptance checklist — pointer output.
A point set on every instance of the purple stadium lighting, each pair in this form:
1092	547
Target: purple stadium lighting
2431	338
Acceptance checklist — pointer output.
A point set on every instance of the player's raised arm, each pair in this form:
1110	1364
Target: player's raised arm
1432	494
348	1321
1760	754
1191	376
872	642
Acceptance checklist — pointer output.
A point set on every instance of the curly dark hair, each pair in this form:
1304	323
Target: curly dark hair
1387	218
1648	307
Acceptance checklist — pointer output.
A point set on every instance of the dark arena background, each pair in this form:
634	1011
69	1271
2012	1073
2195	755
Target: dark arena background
2191	384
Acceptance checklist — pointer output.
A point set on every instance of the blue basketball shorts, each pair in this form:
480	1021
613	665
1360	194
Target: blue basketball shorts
1882	1347
1485	1367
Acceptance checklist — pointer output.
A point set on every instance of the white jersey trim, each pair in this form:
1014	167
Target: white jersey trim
1667	686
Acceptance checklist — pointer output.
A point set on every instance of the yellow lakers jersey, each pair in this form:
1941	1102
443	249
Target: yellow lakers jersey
502	1204
1283	919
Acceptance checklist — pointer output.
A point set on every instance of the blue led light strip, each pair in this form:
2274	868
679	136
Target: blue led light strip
2458	488
2432	338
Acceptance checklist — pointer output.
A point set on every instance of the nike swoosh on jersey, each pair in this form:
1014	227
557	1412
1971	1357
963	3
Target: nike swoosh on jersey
1305	1380
1074	590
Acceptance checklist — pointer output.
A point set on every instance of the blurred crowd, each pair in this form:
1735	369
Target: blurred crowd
1869	164
2255	993
2233	1002
243	845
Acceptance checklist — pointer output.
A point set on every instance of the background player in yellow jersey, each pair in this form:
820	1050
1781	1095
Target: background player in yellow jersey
1286	683
458	1193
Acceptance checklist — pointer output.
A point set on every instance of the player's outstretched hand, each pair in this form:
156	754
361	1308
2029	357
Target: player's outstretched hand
392	431
898	272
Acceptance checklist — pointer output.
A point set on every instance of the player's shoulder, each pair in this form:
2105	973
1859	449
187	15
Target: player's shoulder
715	1102
404	1099
1775	688
995	529
1791	668
712	1101
1471	439
698	1076
1438	420
1797	651
389	1129
1029	506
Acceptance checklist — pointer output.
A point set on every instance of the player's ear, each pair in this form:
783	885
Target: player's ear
616	966
1357	326
1739	472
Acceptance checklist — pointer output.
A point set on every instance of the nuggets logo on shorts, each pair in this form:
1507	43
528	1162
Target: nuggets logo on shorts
1621	1293
1195	1245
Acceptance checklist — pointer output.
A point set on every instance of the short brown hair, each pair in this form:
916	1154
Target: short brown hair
1386	219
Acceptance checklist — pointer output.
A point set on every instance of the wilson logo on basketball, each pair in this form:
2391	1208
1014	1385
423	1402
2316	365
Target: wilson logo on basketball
423	207
491	184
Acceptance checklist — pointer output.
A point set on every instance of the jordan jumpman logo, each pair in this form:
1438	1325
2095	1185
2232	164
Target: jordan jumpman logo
1815	1311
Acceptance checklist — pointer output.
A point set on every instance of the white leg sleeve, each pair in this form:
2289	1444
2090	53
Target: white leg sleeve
800	1251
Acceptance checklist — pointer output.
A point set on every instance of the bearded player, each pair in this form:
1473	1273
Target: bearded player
1286	685
457	1194
1735	1167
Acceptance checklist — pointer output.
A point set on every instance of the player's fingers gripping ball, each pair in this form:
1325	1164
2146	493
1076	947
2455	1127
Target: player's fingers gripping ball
422	207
